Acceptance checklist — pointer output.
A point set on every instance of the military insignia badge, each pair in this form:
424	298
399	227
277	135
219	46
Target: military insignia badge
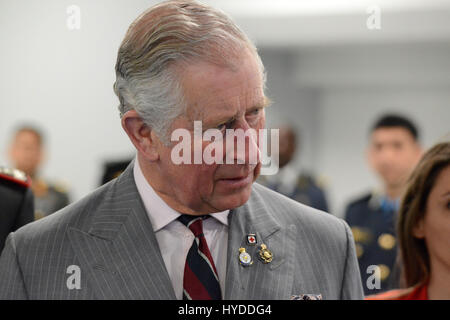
244	258
265	255
251	239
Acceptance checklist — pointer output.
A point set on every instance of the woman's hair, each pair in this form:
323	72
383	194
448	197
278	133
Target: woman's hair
413	251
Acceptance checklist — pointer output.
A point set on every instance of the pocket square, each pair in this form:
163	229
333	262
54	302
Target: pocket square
307	296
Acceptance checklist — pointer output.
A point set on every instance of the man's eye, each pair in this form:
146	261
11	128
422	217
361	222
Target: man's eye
398	146
254	112
224	126
378	147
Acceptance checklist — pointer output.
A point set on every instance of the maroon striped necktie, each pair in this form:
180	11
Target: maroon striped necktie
200	281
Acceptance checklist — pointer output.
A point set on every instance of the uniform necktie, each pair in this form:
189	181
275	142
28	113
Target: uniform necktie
200	281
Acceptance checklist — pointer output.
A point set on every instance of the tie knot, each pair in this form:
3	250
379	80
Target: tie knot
194	223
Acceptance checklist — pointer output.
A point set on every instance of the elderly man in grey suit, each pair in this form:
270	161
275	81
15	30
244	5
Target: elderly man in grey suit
170	230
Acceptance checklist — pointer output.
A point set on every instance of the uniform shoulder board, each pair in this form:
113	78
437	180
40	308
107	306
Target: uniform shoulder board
15	175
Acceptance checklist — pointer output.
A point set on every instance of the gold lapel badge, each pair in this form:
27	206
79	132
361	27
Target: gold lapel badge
265	255
244	258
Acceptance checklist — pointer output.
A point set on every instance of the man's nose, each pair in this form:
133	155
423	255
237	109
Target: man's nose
245	148
388	155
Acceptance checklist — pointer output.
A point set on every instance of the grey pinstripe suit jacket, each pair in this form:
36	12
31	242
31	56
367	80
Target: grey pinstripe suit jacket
109	237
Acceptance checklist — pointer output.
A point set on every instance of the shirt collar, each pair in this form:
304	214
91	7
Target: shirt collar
379	200
159	212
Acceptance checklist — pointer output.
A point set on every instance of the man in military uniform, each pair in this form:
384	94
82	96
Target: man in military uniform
113	169
393	152
16	202
26	154
301	187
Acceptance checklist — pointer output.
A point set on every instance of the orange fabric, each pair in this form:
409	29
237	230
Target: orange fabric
415	293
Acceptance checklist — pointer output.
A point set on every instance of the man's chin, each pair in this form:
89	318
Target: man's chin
394	183
228	202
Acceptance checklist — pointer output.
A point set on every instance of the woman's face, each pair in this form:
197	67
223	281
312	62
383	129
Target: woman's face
435	226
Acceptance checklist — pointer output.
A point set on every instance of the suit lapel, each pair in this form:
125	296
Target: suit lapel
119	253
273	280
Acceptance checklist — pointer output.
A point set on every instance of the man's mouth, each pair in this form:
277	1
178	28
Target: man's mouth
237	182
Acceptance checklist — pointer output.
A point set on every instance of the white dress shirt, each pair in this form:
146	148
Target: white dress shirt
175	239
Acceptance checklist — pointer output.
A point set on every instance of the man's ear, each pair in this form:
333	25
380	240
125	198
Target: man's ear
418	230
141	135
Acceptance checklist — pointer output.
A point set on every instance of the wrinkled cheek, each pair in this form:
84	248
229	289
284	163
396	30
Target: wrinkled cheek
261	125
263	120
204	177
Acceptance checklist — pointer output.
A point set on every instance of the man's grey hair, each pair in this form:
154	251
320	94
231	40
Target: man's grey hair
165	36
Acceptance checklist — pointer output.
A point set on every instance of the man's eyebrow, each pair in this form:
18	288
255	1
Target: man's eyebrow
265	102
219	121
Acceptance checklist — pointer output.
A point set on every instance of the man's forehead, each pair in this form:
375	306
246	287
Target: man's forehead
209	87
26	135
391	133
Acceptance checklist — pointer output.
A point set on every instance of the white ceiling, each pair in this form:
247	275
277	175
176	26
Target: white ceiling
302	23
